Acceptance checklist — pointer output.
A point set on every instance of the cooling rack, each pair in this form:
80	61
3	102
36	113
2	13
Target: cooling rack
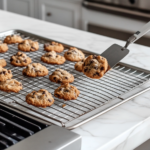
96	96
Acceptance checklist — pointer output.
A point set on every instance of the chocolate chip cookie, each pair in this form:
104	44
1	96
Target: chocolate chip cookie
5	74
67	92
11	85
3	62
53	58
54	46
41	98
3	47
79	64
35	70
12	39
95	66
73	54
28	46
20	59
61	76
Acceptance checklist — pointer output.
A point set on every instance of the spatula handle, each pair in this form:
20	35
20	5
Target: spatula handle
138	34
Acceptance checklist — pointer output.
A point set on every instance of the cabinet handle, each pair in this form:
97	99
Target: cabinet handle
49	14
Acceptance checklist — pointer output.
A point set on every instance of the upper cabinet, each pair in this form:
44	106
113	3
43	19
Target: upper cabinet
23	7
62	12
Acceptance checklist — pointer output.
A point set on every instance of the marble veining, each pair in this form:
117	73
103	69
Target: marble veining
124	127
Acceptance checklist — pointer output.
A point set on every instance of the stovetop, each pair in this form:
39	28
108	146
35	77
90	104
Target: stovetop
15	127
20	132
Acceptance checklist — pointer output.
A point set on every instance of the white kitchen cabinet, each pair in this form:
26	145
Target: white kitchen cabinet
62	12
23	7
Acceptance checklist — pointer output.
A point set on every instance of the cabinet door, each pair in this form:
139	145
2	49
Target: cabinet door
23	7
60	12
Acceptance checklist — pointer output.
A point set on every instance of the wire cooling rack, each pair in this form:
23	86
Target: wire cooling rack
93	93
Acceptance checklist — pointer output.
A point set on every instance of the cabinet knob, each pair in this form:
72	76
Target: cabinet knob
49	14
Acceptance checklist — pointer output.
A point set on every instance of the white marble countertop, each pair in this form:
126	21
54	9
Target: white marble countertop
124	127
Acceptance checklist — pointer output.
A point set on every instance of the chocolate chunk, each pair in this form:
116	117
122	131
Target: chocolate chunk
102	68
66	90
43	92
1	72
86	69
32	48
24	73
9	71
20	55
11	59
96	74
91	61
66	77
82	60
16	61
4	72
69	53
49	55
94	56
58	81
60	89
57	95
95	67
54	78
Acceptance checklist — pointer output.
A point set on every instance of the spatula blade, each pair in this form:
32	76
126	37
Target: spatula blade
114	54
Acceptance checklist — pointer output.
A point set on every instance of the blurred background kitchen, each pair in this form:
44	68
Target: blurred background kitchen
113	18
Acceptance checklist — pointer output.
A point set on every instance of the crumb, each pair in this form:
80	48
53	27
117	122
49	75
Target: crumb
63	105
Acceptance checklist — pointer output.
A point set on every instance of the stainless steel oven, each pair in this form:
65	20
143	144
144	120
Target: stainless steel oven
116	18
143	5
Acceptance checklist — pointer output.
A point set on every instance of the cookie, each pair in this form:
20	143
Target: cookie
61	76
3	62
20	59
5	74
3	47
12	39
95	66
53	58
41	98
54	46
73	54
79	64
35	70
67	92
28	46
11	85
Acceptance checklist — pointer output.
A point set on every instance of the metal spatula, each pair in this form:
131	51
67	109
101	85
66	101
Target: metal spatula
116	52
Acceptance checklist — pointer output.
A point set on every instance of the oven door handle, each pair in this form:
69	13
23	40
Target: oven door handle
138	34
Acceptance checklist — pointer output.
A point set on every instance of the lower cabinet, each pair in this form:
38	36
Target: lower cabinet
63	12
